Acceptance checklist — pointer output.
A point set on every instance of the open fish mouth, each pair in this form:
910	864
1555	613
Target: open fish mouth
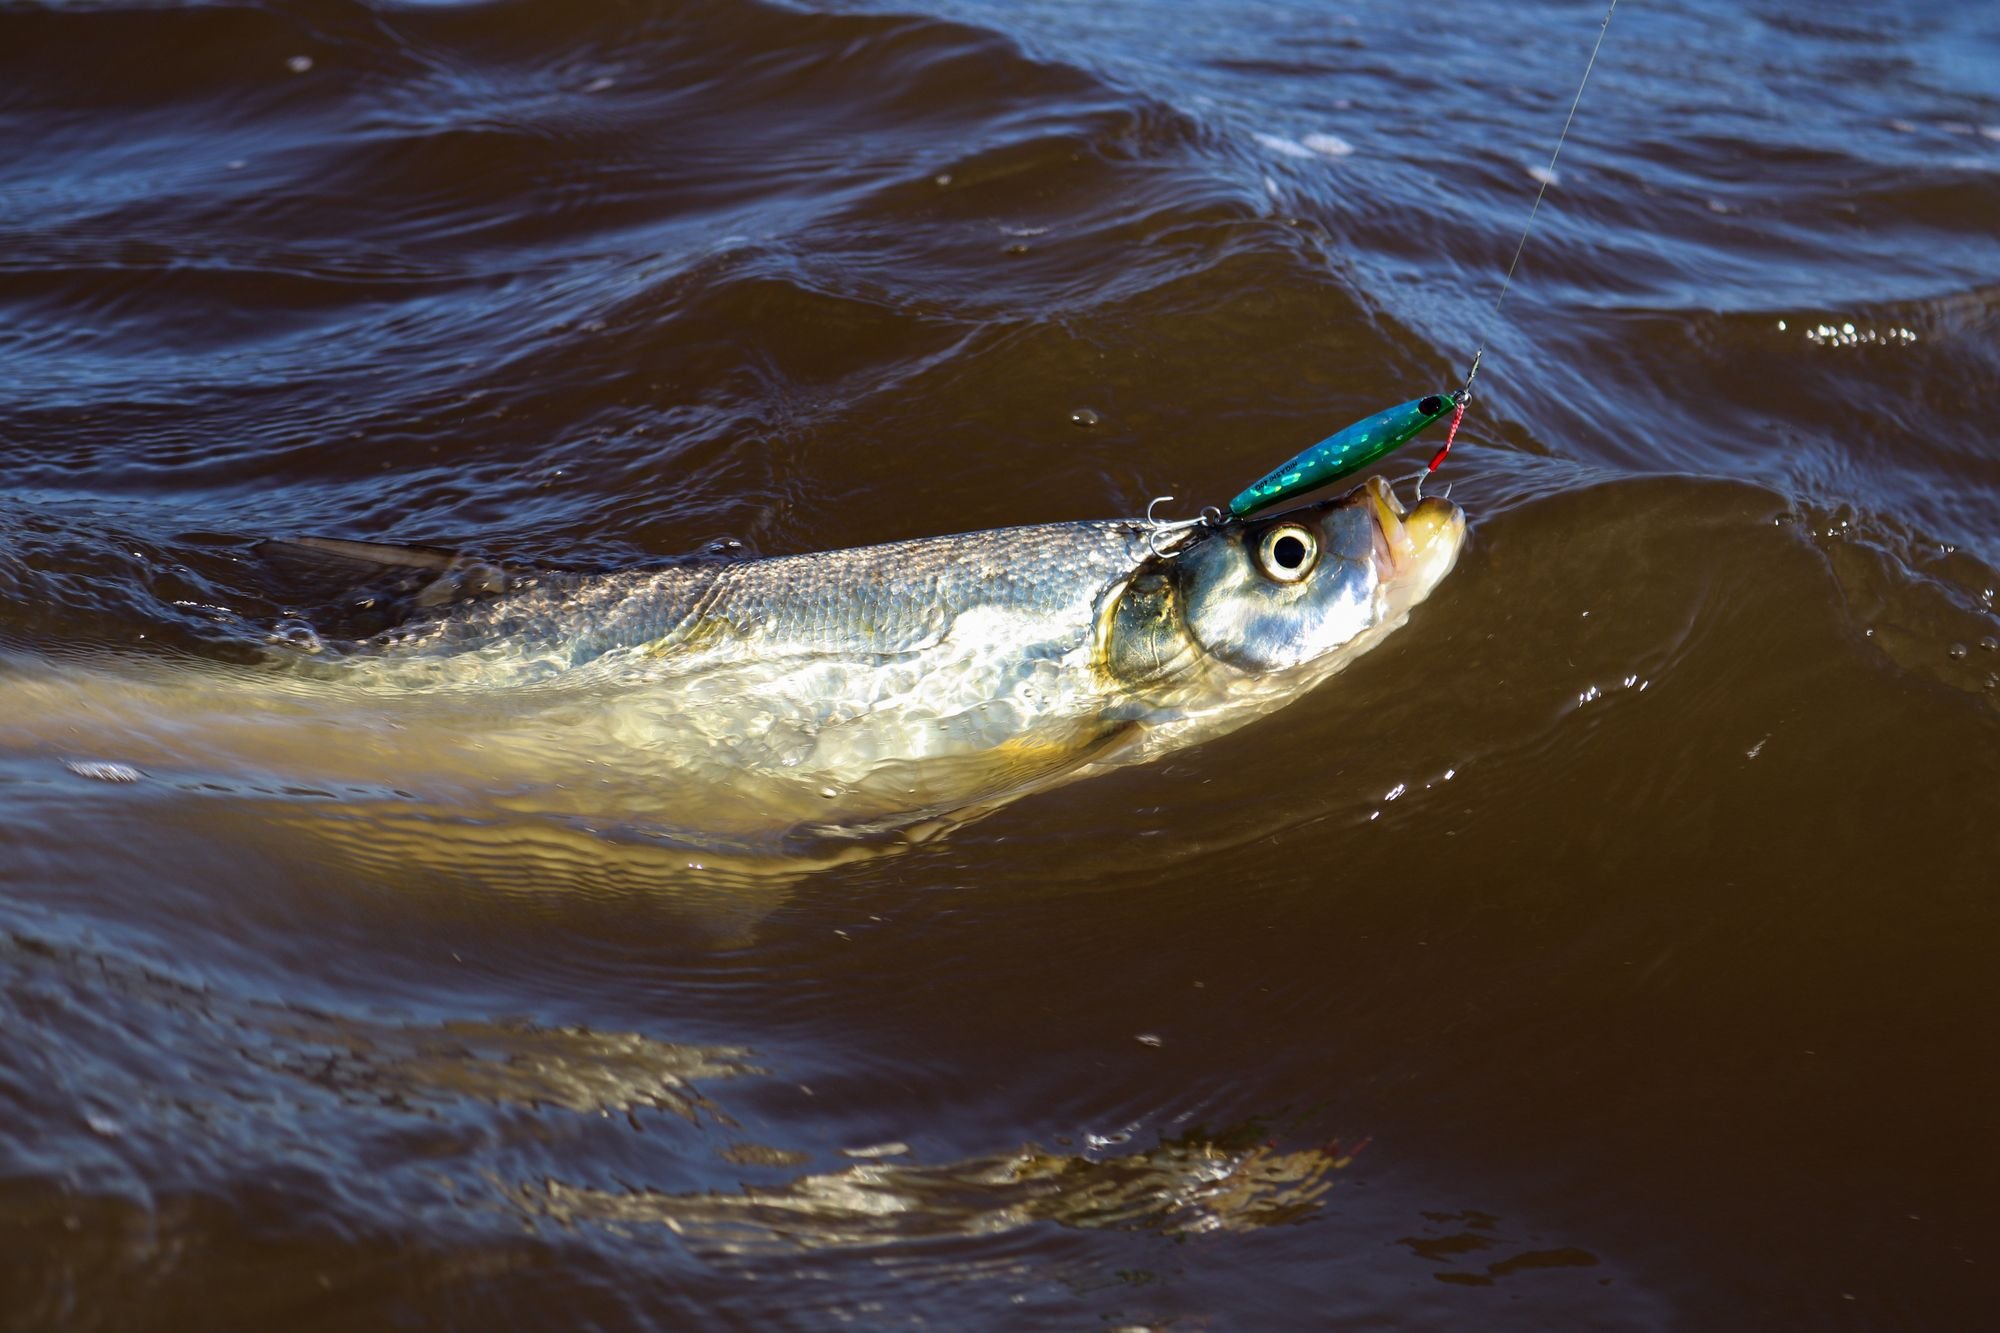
1417	545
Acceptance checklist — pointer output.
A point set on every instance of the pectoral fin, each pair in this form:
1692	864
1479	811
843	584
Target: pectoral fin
908	794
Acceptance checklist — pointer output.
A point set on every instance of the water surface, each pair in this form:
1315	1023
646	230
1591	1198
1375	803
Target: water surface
1609	949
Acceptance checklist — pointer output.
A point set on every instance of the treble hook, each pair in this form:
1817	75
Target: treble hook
1163	528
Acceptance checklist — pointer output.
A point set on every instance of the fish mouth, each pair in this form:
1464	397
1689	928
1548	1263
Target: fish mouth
1416	546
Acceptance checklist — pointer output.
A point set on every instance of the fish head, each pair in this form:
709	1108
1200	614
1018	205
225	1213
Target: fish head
1315	585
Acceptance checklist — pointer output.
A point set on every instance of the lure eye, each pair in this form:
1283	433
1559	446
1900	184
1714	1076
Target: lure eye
1287	553
1431	406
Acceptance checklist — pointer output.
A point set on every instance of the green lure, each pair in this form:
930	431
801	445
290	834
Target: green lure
1348	451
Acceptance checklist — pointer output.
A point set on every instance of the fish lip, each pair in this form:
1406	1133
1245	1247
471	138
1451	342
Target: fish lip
1385	562
1398	553
1393	548
1386	493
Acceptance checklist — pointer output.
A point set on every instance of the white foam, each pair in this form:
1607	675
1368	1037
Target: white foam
100	770
1282	146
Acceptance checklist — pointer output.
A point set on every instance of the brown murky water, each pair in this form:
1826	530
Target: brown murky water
1609	949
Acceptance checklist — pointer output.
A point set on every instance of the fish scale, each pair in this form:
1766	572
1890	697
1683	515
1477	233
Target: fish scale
893	598
858	690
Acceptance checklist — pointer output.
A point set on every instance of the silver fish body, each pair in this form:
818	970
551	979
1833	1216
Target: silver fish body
859	689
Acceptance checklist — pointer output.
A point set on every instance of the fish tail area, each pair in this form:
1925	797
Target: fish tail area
172	717
413	801
71	712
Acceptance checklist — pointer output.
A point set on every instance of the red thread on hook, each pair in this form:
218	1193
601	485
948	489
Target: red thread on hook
1458	415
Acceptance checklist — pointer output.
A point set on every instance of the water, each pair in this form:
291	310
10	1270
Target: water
1610	948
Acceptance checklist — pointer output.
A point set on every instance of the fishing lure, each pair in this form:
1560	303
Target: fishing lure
1343	452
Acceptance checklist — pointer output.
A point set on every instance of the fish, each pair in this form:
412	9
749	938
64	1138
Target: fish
756	706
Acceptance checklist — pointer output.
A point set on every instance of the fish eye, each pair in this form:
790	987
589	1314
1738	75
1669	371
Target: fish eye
1287	553
1431	406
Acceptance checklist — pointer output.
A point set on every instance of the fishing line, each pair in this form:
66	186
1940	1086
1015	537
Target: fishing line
1464	395
1374	437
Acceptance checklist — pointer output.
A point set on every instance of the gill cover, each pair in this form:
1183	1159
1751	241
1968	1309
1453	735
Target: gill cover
1278	593
1262	596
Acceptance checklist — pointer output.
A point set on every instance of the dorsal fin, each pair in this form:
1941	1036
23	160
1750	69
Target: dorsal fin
445	576
351	589
377	553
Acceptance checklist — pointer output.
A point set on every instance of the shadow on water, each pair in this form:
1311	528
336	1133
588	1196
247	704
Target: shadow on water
476	1119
